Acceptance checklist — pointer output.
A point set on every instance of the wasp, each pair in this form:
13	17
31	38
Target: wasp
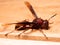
37	23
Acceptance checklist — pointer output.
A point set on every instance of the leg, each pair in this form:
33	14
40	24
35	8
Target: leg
18	28
9	32
23	30
12	31
43	34
21	33
29	32
51	23
24	33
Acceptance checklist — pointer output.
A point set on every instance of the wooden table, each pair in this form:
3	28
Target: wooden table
16	10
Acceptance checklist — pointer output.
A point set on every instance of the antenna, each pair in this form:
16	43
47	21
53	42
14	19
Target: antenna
52	16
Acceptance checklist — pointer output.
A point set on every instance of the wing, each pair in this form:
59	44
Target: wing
19	23
23	25
31	9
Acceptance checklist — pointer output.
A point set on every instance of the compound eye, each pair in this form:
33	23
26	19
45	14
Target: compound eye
45	24
45	21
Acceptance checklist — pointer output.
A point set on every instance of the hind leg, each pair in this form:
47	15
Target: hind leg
12	31
9	33
21	28
19	35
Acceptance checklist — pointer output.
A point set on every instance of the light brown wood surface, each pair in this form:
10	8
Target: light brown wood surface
15	11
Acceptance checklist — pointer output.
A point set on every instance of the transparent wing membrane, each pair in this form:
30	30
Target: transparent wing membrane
31	9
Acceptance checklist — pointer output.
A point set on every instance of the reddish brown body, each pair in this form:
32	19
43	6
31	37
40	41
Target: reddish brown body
35	24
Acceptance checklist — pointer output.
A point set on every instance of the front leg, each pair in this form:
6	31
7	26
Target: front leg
43	34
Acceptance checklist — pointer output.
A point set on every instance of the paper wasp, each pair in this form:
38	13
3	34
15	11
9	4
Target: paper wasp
37	23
